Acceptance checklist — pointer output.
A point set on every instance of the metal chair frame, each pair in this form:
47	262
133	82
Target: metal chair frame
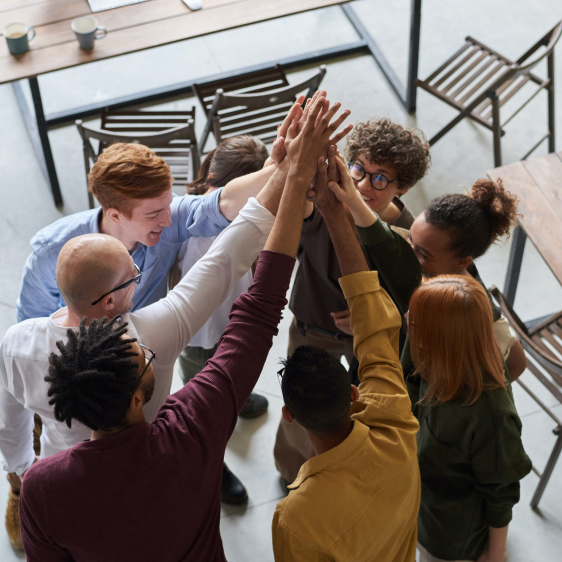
177	145
252	104
531	339
471	74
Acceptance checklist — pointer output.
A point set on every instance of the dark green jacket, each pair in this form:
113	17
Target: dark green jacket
471	457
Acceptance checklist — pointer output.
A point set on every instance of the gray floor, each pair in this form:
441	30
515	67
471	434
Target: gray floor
509	26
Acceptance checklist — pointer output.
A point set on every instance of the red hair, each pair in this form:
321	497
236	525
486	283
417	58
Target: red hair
452	339
126	173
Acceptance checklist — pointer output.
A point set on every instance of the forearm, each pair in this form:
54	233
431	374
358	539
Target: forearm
362	215
270	195
236	193
497	542
349	252
286	232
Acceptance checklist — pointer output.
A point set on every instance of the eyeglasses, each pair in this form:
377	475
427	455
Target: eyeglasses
378	181
136	279
148	354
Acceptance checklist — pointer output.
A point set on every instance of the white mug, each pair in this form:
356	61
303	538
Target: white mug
86	30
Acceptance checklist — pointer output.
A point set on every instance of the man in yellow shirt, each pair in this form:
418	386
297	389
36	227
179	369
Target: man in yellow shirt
358	498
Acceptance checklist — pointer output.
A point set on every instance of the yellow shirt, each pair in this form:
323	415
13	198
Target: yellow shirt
359	501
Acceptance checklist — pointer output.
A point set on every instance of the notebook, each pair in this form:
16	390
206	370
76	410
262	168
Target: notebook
100	5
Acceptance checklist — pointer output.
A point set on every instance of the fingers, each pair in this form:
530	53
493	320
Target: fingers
322	178
342	134
338	121
313	113
294	112
341	314
329	115
333	173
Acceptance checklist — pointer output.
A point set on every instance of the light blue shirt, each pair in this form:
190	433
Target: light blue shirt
191	216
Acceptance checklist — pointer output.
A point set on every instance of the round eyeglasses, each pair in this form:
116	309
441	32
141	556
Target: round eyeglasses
378	181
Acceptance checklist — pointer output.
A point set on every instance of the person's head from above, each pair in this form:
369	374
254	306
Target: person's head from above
232	158
134	187
452	342
317	392
101	378
96	276
385	161
456	229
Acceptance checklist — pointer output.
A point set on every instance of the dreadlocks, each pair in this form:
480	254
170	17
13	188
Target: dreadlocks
94	377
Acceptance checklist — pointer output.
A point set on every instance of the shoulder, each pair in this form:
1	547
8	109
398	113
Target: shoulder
21	337
405	219
58	233
48	473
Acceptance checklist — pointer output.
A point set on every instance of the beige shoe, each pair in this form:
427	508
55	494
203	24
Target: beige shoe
13	520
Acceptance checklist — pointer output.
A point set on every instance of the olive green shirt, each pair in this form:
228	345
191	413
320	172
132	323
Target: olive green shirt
471	457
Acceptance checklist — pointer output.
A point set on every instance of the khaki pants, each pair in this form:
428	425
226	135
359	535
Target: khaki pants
192	361
292	446
13	478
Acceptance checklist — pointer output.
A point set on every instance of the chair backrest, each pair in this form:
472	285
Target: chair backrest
258	113
549	41
540	341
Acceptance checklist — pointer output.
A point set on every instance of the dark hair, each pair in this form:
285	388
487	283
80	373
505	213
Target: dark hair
232	158
387	143
474	221
94	377
316	389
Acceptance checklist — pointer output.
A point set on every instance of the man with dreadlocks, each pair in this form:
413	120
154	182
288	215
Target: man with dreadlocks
151	491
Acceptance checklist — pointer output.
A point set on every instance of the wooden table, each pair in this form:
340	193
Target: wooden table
151	24
537	183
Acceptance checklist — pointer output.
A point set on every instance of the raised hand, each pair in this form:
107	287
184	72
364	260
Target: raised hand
316	134
294	115
319	193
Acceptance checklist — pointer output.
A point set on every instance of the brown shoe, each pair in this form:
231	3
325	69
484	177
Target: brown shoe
13	520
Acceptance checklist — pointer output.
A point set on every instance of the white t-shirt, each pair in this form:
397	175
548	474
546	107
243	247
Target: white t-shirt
208	336
165	327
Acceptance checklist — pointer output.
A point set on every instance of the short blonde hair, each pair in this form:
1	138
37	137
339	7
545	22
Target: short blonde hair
126	172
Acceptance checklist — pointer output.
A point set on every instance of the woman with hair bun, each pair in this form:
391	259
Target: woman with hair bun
446	238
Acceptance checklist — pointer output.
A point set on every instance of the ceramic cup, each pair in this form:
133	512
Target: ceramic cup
18	37
86	30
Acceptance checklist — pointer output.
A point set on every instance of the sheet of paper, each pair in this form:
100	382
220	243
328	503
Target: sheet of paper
100	5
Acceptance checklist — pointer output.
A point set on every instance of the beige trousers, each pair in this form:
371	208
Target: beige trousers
425	556
292	447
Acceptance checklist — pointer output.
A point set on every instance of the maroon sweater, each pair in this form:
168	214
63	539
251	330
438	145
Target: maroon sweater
152	492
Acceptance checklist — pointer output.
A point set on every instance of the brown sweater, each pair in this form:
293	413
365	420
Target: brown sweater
317	291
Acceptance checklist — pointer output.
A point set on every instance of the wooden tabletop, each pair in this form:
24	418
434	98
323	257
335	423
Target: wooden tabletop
537	183
130	28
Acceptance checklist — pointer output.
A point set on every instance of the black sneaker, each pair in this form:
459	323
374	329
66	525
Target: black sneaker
255	406
232	490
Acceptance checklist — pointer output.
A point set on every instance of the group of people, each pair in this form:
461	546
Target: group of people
416	447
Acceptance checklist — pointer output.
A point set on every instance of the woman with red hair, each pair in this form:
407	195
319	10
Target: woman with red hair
469	444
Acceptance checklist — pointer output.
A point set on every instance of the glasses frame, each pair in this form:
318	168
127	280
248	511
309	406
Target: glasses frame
136	279
365	173
150	359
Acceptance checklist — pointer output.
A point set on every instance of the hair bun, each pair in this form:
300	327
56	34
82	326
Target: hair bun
498	205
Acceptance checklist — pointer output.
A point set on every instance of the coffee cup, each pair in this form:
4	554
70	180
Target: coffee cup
18	37
86	30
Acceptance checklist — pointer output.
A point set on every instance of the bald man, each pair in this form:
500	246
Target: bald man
97	278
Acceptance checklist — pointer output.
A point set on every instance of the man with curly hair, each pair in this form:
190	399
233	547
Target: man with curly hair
385	160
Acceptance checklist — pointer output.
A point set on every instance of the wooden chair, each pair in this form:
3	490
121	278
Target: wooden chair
253	104
543	347
170	134
477	81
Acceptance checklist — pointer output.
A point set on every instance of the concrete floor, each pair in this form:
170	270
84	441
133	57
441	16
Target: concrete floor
509	26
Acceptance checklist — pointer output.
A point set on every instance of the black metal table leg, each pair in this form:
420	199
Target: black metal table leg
406	94
414	56
547	472
39	134
514	264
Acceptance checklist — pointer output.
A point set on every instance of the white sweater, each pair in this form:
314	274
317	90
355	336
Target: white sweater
165	327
